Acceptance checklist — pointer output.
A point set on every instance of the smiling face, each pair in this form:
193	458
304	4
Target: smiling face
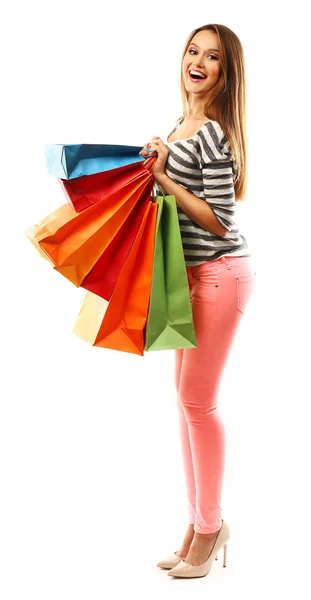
204	52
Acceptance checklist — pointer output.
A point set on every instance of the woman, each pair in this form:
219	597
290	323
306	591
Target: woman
207	175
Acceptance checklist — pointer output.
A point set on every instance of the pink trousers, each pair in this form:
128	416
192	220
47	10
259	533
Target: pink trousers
220	291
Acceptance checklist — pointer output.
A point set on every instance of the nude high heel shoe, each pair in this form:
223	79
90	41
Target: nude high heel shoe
172	561
182	569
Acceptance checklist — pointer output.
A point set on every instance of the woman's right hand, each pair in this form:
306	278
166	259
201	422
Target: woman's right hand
159	149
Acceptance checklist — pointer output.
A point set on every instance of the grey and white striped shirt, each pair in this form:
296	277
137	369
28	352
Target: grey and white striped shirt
205	166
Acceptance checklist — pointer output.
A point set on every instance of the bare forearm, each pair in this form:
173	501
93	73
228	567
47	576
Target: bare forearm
195	208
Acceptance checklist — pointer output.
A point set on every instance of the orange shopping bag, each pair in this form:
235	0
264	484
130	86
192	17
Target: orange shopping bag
120	323
74	242
48	226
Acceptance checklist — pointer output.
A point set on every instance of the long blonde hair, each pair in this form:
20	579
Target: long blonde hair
227	103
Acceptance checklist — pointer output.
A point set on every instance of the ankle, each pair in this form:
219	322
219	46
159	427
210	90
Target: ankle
205	536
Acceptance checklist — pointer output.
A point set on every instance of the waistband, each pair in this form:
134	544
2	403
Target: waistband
211	264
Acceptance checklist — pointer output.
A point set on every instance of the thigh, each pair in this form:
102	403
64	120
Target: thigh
245	276
216	317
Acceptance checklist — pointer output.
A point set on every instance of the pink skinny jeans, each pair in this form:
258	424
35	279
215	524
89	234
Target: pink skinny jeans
220	291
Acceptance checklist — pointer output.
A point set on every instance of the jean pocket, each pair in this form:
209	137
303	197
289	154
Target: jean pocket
204	286
245	285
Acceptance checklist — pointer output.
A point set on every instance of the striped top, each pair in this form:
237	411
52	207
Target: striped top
205	166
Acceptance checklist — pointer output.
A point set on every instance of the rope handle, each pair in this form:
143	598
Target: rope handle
154	194
161	188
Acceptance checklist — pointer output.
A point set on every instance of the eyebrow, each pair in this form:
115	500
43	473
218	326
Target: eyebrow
193	44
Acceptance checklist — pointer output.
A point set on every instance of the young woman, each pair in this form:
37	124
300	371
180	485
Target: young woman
203	164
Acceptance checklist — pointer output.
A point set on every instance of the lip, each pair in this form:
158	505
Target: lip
196	80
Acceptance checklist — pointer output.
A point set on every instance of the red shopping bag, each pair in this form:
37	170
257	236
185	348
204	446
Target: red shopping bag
84	191
102	278
120	323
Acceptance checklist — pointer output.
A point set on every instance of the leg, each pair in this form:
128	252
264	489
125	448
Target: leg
185	444
216	318
178	363
187	461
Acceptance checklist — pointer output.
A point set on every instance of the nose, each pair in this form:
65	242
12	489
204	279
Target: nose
198	61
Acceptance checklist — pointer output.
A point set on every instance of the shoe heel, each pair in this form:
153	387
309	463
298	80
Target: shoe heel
224	564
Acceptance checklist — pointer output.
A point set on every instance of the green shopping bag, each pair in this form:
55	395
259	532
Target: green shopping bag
170	322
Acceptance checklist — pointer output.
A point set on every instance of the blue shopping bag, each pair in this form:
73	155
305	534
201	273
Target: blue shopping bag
68	161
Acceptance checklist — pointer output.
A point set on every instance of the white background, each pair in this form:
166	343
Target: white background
92	486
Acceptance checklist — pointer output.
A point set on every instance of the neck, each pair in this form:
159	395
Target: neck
195	110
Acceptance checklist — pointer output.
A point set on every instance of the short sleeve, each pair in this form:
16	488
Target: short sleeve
218	172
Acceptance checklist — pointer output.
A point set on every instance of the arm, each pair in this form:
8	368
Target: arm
214	213
195	208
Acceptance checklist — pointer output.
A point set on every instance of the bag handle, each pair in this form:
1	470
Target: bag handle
161	188
153	194
148	163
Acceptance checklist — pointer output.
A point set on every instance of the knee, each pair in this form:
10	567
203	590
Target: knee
197	411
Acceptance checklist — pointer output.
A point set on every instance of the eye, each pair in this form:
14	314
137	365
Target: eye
193	50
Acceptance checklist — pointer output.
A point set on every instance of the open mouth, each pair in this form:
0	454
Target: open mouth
195	75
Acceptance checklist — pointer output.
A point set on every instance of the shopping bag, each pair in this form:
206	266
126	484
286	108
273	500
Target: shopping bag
67	161
82	192
75	245
170	321
49	226
120	323
102	278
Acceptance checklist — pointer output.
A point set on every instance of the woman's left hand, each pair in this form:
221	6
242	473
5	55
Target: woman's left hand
162	152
